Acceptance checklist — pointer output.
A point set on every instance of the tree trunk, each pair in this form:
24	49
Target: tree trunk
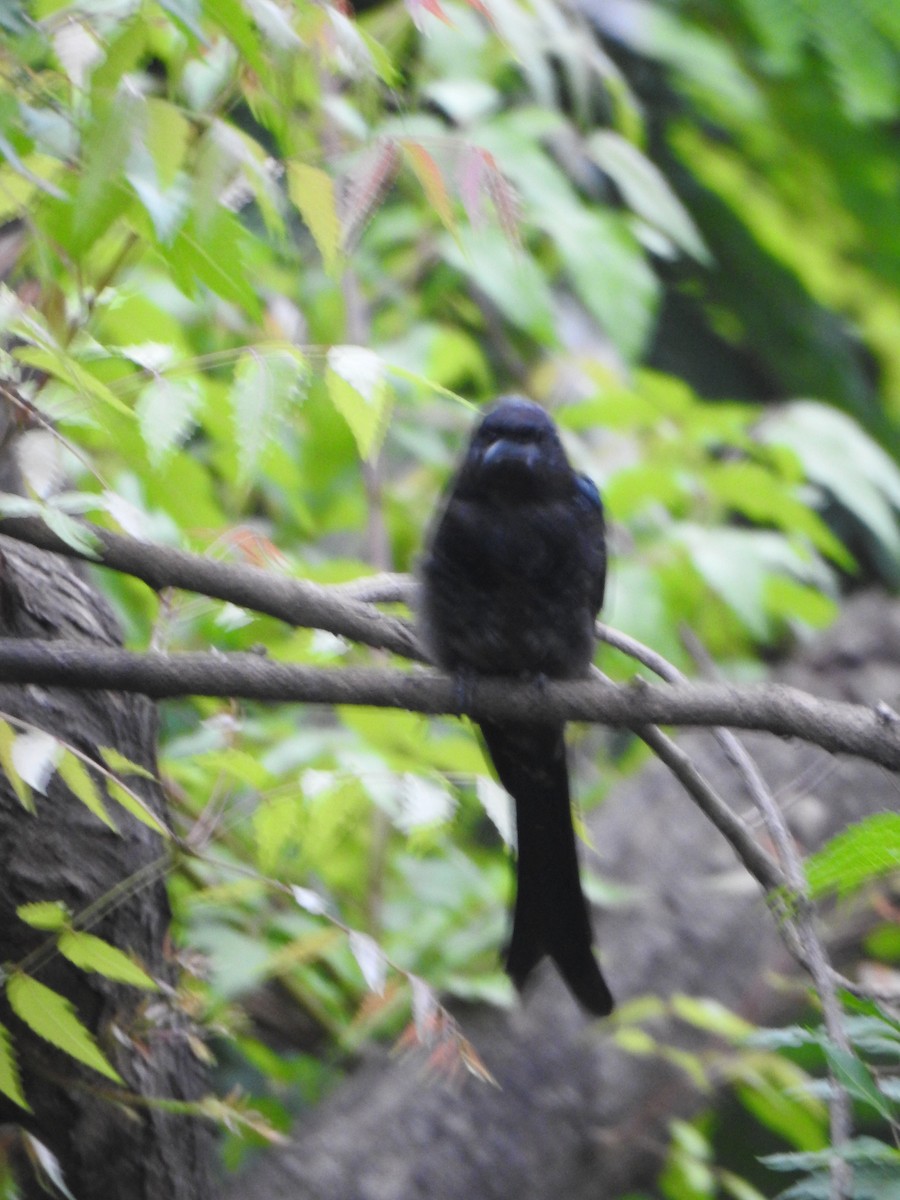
105	1148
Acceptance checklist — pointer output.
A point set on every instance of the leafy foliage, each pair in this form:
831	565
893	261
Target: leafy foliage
264	251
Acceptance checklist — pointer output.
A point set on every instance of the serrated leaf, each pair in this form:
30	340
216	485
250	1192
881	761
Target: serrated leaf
312	192
266	384
10	1079
10	770
131	803
358	389
101	195
53	1018
429	176
44	914
118	763
370	959
365	185
78	780
166	410
858	854
90	953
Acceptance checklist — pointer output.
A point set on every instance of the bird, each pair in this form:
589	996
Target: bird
511	581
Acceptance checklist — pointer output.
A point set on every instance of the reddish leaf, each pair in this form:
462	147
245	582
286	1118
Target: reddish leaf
418	8
470	178
505	199
365	186
429	175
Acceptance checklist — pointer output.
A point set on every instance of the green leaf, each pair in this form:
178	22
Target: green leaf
166	410
232	19
358	389
62	366
131	803
118	763
750	489
312	192
44	914
167	134
71	531
16	782
646	190
508	276
853	1075
91	953
267	382
711	1016
78	779
737	563
53	1018
215	252
101	194
868	481
10	1079
860	853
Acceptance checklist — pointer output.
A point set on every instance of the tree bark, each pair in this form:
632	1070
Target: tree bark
105	1148
575	1115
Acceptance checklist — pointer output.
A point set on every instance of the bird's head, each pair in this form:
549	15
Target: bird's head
516	453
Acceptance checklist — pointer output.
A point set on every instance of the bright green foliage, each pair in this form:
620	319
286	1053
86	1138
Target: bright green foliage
53	1018
861	853
91	953
10	1079
272	254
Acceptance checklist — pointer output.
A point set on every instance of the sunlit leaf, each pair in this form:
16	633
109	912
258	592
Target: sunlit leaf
358	388
91	953
312	192
862	852
267	384
10	1078
117	762
79	781
131	803
52	1017
44	914
167	411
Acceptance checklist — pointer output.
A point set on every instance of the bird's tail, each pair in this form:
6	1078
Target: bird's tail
551	915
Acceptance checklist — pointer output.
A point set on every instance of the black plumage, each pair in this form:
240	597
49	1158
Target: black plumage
512	581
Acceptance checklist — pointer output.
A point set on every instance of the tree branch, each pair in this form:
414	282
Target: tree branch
834	725
295	601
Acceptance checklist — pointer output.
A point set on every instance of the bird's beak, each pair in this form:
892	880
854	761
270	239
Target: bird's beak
507	453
